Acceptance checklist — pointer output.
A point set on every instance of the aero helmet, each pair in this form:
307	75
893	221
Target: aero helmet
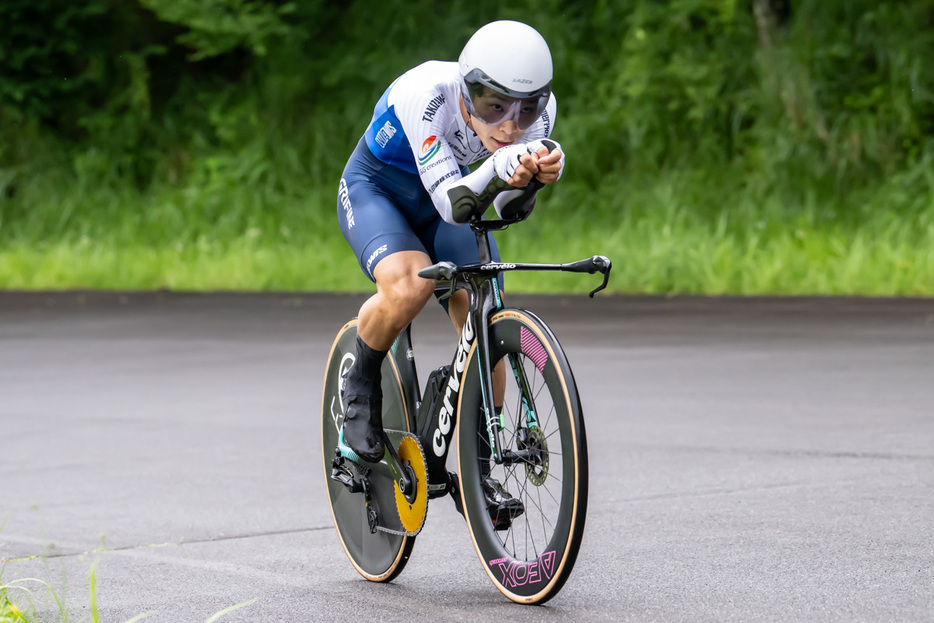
506	70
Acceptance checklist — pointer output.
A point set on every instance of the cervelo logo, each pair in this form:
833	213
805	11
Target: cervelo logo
439	442
343	196
495	266
385	133
373	256
429	148
515	573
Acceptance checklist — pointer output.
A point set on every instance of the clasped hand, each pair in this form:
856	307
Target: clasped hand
542	165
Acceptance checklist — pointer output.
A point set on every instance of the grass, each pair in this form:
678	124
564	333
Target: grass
18	600
672	233
30	600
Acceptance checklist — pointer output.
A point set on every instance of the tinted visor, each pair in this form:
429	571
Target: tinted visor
493	104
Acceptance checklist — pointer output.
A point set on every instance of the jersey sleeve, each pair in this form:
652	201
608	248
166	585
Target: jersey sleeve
424	116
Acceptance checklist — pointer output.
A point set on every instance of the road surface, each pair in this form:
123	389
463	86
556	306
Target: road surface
751	460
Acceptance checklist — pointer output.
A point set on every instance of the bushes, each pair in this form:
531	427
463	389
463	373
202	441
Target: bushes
231	115
845	86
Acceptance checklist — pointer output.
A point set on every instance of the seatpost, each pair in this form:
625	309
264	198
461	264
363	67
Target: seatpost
483	245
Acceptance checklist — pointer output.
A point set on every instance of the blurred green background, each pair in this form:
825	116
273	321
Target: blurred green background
713	146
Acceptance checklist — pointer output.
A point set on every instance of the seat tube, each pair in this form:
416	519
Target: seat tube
404	356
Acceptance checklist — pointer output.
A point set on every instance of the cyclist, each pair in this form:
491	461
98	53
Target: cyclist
406	188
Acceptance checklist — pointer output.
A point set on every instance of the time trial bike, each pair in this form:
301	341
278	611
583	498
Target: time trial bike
534	444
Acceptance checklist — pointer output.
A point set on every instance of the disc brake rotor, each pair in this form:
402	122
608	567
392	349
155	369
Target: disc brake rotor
537	468
413	508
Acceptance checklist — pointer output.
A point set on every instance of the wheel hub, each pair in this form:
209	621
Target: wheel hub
533	441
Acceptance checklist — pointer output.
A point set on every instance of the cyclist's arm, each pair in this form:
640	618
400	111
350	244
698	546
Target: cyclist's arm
455	196
519	202
425	114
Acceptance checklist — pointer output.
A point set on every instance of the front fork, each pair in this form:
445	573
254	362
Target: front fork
492	303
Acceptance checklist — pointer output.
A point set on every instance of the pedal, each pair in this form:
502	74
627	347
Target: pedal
341	474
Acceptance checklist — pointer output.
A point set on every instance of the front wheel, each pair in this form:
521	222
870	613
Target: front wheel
543	429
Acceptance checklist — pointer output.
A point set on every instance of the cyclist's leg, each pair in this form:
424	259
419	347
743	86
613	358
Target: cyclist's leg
391	255
400	295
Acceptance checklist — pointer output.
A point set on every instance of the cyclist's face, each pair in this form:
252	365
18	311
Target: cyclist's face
494	136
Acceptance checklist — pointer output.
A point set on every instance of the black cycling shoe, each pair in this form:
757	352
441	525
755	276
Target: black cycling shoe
502	506
363	426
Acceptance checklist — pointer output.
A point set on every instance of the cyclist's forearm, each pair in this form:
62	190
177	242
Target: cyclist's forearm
469	195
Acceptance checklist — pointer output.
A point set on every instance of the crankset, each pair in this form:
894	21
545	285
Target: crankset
390	506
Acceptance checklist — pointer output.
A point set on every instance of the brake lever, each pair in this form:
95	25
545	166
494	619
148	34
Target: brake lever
602	264
442	272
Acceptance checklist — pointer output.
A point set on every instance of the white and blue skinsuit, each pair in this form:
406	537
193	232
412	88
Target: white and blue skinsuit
393	194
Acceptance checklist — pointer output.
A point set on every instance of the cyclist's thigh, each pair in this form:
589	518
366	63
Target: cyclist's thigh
372	222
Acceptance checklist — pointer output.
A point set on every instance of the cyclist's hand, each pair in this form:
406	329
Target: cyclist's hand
515	165
527	169
549	166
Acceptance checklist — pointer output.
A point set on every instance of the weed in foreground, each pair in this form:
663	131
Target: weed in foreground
18	602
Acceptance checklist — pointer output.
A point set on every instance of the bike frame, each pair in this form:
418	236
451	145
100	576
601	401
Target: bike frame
482	283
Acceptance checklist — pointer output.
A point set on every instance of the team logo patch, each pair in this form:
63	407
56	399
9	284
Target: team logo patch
429	148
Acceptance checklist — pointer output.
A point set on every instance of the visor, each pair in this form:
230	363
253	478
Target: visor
494	104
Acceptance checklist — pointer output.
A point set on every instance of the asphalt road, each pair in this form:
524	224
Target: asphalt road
751	460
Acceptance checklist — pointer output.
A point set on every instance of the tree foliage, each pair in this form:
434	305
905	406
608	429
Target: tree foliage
274	92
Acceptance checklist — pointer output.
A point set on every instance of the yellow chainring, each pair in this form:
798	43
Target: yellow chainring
412	514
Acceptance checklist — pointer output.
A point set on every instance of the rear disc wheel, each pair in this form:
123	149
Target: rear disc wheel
377	556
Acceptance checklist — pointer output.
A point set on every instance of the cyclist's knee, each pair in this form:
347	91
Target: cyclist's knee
458	306
410	292
399	283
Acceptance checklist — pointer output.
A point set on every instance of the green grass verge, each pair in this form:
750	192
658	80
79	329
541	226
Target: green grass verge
674	234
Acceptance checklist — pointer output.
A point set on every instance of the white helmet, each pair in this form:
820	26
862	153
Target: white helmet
507	71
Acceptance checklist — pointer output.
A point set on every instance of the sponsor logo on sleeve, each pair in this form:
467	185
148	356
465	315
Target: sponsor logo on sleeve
425	169
431	188
385	133
547	120
433	107
430	147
